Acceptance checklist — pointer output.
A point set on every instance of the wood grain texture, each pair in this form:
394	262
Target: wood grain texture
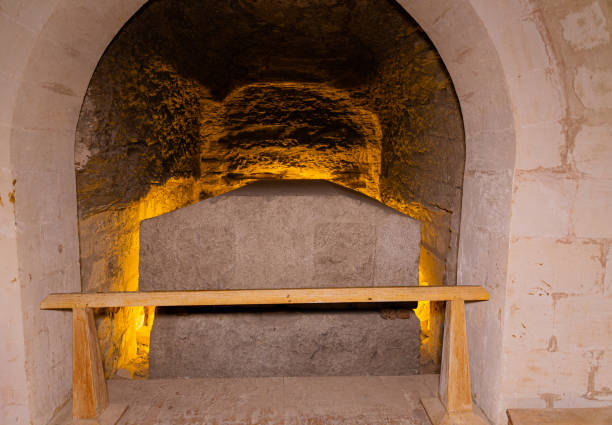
438	415
587	416
265	296
89	394
455	389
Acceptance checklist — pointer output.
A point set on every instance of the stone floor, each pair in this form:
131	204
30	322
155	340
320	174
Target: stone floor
370	400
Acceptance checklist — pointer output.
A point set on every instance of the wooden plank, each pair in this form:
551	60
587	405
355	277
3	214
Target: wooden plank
89	393
111	415
439	416
265	296
455	389
583	416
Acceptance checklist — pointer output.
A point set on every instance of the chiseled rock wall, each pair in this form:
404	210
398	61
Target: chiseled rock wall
281	235
194	98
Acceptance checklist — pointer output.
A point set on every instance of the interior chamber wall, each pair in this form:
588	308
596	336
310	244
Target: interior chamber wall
360	98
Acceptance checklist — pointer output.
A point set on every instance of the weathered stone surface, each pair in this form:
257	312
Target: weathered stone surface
216	94
283	343
586	28
280	235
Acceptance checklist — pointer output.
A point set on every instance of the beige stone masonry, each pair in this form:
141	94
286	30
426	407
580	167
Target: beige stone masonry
546	103
586	28
593	151
591	215
541	205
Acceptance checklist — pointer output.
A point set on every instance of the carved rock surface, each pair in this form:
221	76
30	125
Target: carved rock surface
281	235
282	343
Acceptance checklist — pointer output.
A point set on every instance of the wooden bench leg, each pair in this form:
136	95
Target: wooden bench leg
455	389
89	394
454	405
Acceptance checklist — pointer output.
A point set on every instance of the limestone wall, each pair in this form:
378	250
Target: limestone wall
558	338
531	79
344	90
294	234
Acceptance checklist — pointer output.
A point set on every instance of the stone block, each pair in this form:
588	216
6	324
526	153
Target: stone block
537	100
59	69
344	252
486	110
13	59
583	322
526	49
283	343
585	28
591	213
492	151
540	205
280	235
593	151
5	144
486	201
38	107
92	25
42	150
594	87
546	266
36	196
530	322
539	146
542	373
30	15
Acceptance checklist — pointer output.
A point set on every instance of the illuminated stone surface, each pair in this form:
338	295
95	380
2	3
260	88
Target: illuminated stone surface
280	235
193	99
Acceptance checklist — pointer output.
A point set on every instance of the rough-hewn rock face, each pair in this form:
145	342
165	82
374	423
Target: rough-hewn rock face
281	235
201	343
290	130
159	91
200	97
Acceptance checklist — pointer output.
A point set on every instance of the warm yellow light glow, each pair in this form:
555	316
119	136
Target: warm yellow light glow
423	310
132	325
129	330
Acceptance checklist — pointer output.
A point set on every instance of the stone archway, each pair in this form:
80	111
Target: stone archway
57	49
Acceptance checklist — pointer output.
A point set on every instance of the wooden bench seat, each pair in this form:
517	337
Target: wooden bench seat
89	393
588	416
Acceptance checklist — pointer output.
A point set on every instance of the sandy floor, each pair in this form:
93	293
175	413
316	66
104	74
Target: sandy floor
370	400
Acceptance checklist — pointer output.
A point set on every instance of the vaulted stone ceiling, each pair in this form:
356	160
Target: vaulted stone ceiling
176	77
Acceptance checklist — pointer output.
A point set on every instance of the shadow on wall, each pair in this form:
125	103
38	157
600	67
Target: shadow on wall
196	98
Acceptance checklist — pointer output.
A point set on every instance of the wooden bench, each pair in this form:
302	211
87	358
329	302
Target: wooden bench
89	393
579	416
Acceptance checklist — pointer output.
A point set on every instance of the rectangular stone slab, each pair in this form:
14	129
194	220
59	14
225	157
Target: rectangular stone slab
280	235
308	234
283	343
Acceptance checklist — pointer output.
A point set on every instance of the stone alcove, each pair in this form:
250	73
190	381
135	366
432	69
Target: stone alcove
498	55
192	100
